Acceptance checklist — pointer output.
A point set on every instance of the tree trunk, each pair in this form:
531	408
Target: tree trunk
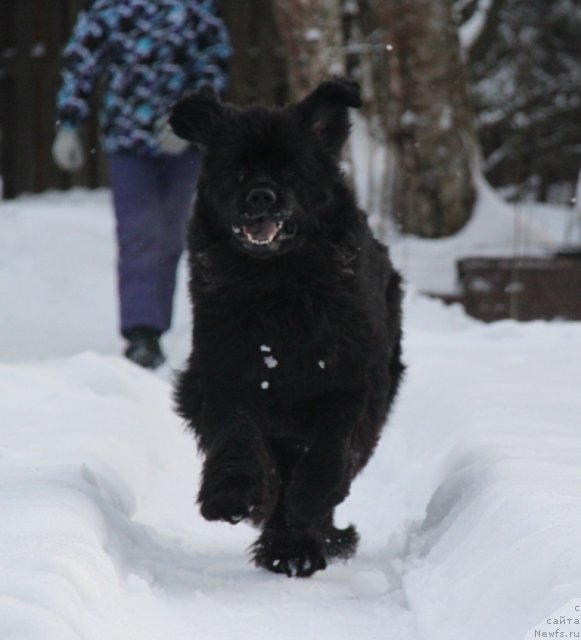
258	69
428	117
311	34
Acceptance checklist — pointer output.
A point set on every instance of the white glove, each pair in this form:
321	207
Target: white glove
167	140
67	150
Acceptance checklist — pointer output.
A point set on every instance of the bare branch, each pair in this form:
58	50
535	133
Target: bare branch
476	32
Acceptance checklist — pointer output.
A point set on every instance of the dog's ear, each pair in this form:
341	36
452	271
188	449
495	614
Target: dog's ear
325	111
195	117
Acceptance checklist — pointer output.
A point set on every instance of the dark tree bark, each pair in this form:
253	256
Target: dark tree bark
258	68
428	117
311	34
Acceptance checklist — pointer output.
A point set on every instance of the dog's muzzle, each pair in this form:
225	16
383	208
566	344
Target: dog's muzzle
264	222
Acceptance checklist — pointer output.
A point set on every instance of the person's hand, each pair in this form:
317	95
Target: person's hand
167	140
67	150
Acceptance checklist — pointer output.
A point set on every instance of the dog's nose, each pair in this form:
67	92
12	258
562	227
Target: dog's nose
261	197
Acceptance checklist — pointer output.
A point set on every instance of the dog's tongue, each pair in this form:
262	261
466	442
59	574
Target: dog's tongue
262	231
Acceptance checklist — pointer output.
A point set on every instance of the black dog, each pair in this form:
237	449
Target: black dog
296	342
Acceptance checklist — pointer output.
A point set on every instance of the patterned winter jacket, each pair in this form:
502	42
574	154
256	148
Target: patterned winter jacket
148	54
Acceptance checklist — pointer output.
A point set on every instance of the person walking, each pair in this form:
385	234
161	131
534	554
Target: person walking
147	55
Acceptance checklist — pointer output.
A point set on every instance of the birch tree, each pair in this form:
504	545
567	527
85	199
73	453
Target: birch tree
311	34
428	118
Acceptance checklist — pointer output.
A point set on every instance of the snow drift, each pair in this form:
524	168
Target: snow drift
469	513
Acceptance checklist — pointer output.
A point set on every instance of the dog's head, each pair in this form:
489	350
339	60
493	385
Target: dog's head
269	173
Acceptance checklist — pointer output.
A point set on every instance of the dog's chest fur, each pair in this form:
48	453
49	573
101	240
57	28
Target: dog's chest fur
279	330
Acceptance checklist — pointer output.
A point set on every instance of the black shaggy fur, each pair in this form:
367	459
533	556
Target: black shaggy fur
296	342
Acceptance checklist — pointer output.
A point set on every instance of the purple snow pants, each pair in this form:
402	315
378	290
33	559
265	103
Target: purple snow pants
152	197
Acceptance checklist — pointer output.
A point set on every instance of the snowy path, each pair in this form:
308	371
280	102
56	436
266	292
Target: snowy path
471	507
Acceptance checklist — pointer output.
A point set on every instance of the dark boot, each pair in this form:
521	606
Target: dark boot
143	347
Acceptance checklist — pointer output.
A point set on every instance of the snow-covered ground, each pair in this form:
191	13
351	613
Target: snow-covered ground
469	513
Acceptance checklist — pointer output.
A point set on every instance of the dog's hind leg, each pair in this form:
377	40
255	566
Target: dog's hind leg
340	543
283	548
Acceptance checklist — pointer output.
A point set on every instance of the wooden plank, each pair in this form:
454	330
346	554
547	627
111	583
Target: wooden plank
22	98
527	288
47	75
7	51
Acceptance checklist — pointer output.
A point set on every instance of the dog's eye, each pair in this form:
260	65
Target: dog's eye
287	173
240	175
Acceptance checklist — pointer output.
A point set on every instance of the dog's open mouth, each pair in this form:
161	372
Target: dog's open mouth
262	231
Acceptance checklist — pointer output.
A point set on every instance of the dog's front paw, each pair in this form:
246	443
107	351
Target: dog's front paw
235	499
290	554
